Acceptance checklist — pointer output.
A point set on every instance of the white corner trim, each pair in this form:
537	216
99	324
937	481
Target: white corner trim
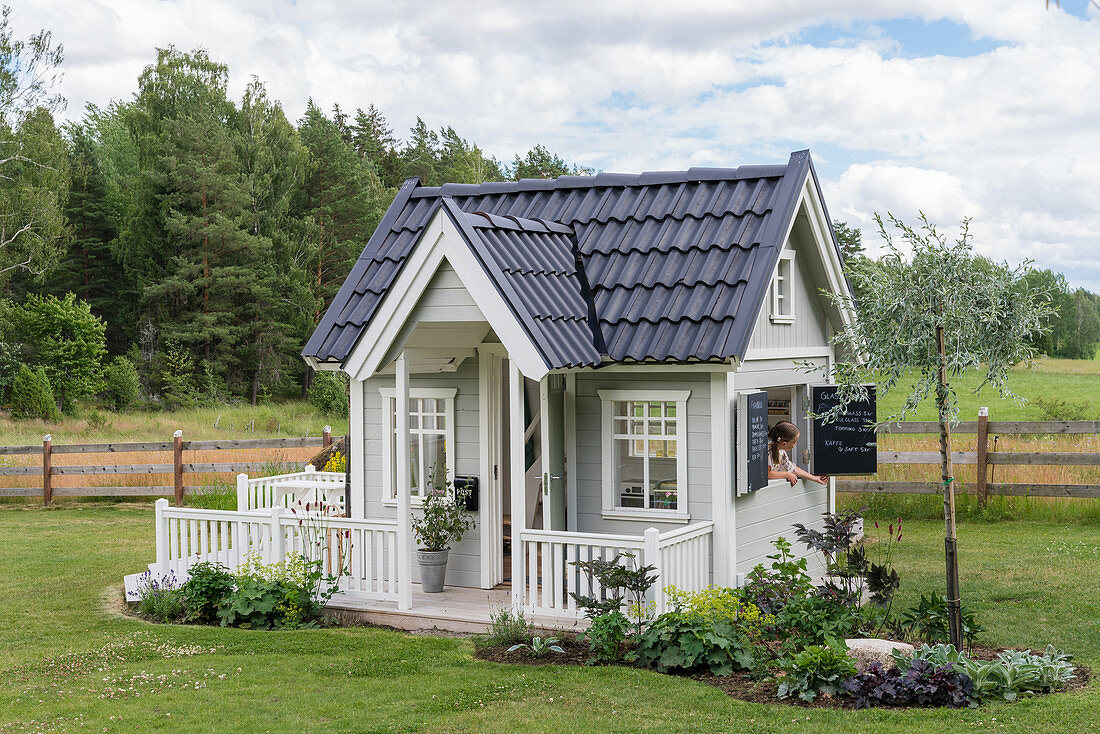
658	396
441	240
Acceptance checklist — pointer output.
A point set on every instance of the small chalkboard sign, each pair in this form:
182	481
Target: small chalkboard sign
752	431
846	445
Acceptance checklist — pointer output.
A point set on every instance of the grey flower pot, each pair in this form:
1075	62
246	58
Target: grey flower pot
433	569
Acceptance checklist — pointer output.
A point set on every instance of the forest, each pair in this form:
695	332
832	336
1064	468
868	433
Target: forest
179	247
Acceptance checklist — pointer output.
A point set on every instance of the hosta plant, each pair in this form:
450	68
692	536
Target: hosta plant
539	647
1012	672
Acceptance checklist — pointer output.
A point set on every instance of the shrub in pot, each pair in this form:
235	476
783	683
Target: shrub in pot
444	521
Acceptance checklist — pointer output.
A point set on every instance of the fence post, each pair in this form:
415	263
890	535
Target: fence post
47	468
177	461
242	493
652	557
278	540
326	437
982	468
162	536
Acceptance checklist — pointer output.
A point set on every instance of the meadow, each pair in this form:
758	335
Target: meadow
71	661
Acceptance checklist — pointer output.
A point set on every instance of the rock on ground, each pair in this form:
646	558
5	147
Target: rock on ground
864	652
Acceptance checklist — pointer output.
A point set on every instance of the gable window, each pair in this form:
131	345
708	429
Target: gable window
431	439
644	453
782	311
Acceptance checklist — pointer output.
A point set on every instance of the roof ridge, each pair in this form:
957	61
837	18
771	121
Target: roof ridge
488	220
605	179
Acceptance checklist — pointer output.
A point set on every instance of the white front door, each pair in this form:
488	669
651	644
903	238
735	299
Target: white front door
494	469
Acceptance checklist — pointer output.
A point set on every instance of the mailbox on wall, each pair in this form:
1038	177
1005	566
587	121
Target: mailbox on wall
467	488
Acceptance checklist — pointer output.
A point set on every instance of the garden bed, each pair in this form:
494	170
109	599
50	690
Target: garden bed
741	685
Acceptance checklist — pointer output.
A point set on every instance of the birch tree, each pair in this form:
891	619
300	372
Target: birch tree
929	316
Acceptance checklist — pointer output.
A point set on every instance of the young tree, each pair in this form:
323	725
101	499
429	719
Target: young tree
935	314
63	337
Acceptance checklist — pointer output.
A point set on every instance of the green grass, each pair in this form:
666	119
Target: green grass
270	420
1031	583
1071	380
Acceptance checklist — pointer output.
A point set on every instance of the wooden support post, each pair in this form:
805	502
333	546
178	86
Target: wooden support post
652	557
347	476
516	429
326	437
242	493
404	504
161	537
47	470
177	465
982	469
278	539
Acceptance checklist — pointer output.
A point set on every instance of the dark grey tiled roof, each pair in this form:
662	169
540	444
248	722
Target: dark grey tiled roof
666	266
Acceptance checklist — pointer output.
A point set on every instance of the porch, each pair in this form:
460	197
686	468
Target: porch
365	554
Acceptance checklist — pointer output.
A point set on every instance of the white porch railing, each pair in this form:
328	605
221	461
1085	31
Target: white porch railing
285	490
362	552
544	576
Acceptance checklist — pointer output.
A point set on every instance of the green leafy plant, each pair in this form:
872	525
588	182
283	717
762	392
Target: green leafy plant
506	628
1012	672
817	670
539	647
605	636
444	519
207	587
845	558
816	620
786	579
621	580
682	642
716	604
928	621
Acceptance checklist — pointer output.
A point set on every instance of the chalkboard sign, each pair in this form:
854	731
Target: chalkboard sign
846	445
752	431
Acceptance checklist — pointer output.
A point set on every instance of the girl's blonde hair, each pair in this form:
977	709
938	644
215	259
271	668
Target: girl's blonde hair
781	431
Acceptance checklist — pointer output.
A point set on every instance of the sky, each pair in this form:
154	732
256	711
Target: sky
988	109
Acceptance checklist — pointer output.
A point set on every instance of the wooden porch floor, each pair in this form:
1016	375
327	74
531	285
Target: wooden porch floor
455	609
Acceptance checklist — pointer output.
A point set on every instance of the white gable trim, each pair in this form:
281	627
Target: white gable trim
441	240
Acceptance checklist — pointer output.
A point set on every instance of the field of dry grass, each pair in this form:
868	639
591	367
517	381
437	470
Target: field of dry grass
284	420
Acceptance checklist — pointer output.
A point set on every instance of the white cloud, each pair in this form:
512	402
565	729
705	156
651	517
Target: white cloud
1007	136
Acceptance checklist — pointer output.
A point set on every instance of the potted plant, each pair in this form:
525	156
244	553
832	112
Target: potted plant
443	521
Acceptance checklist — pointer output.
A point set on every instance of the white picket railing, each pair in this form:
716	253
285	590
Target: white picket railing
362	553
545	577
285	490
683	560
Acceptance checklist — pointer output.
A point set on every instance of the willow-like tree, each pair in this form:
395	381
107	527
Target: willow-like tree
931	316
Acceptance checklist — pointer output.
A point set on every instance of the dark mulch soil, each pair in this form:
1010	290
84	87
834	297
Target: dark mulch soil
576	653
741	686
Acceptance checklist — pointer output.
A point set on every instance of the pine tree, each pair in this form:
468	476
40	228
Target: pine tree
343	199
372	138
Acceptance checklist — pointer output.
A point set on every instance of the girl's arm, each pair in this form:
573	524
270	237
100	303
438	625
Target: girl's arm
789	476
803	474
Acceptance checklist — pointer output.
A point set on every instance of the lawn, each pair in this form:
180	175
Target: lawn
69	663
1074	382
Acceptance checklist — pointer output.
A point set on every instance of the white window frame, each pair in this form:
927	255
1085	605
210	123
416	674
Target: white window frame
611	510
782	311
389	435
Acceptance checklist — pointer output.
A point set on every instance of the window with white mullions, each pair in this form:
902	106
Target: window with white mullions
644	454
431	433
783	290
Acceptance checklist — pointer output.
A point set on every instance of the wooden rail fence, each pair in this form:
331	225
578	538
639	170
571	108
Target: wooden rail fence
982	459
47	470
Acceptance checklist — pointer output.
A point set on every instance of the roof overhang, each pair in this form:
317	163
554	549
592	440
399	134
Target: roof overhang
442	239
